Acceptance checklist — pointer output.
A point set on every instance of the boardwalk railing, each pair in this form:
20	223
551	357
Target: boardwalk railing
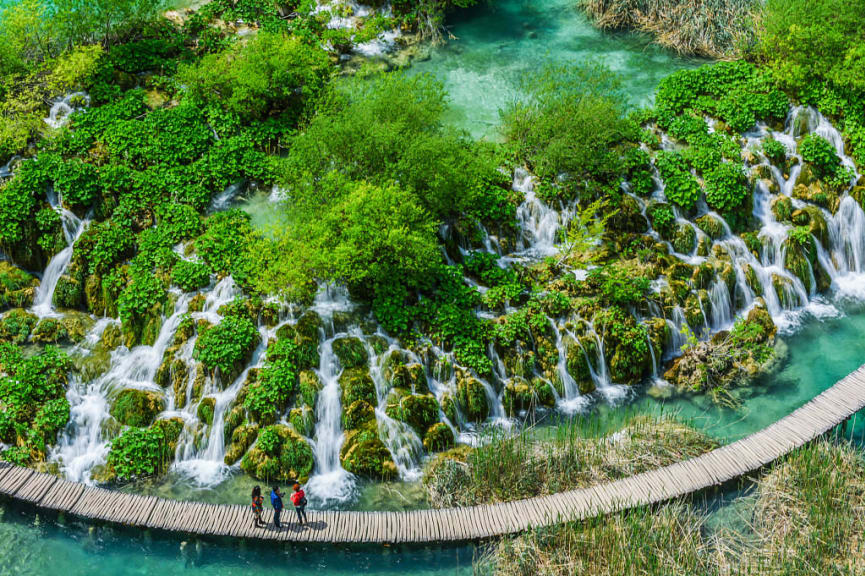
812	420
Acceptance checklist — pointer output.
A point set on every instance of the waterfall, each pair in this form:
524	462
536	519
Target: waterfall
82	444
62	108
72	230
330	482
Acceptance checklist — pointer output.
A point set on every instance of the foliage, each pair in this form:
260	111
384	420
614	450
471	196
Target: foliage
638	169
224	240
138	453
570	123
774	151
726	187
820	153
33	405
269	395
190	275
224	346
618	286
680	186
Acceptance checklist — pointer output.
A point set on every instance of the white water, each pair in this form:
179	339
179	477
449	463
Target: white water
72	229
61	108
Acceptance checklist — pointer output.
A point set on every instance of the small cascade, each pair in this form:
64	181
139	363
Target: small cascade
330	483
73	227
223	200
721	309
538	222
82	445
403	443
62	108
572	401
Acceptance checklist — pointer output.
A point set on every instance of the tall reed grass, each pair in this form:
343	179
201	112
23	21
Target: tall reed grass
711	28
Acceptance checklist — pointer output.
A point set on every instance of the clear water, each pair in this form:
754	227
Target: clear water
497	47
40	545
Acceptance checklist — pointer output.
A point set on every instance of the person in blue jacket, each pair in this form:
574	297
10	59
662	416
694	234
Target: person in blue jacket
276	502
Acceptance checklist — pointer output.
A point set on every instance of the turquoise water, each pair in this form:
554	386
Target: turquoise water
40	545
497	47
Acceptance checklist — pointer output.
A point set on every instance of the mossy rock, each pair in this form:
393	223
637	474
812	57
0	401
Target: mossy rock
171	429
472	399
49	331
365	455
784	290
305	335
520	394
93	365
357	384
438	438
420	411
303	420
111	337
17	287
694	311
196	303
449	407
134	407
357	414
801	261
813	218
16	325
69	291
782	208
579	367
279	454
629	217
309	386
411	377
685	239
858	194
234	418
818	194
72	328
351	352
711	226
241	439
205	410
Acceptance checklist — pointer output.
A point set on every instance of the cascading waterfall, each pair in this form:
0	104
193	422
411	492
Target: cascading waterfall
73	227
62	108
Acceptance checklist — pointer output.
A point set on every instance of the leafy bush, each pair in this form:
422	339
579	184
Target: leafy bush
680	186
138	452
224	346
820	153
269	395
726	187
663	219
143	292
190	276
774	151
619	286
224	240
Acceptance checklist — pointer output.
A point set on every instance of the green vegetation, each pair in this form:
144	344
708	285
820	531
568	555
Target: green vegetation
712	28
513	467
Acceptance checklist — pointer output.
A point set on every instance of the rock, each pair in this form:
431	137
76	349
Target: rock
782	208
858	194
818	194
171	429
135	407
522	395
438	438
279	454
356	384
302	420
309	386
685	239
578	364
241	439
17	287
711	226
357	414
449	407
16	325
411	376
111	337
420	411
472	399
351	352
629	218
812	217
205	409
364	454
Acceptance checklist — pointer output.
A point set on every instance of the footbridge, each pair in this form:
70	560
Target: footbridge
819	416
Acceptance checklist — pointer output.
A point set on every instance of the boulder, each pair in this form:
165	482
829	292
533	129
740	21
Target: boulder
280	454
135	407
364	454
351	352
472	399
438	438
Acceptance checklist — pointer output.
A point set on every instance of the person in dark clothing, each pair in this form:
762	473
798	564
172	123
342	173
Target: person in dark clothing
276	502
257	506
299	501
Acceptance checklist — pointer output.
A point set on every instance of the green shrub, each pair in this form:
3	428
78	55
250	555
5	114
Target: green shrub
680	186
138	453
225	346
726	187
774	151
190	276
820	153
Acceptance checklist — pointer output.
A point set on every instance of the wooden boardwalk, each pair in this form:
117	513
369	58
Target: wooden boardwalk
812	420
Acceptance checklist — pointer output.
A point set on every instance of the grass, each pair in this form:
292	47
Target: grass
711	28
804	517
510	467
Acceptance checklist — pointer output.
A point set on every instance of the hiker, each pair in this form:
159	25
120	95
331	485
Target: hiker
276	502
299	501
257	506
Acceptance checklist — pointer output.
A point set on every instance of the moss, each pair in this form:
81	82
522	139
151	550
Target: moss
241	439
302	420
685	239
70	328
409	376
438	438
171	429
364	454
17	287
134	407
279	454
520	394
309	386
472	399
782	208
356	384
205	409
305	336
420	411
351	352
357	414
449	407
812	217
235	418
111	337
801	260
711	226
16	325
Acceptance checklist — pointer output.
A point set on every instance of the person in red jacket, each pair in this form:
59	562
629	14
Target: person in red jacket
299	501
